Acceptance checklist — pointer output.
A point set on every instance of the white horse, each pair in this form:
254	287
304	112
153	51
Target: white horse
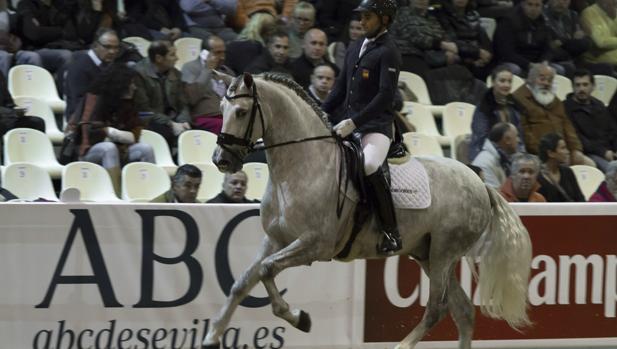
299	215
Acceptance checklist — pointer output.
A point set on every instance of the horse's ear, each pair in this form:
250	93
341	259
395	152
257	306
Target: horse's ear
222	76
248	80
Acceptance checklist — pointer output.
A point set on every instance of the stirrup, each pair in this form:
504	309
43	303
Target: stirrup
390	244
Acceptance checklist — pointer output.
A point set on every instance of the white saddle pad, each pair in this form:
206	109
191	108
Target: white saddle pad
410	185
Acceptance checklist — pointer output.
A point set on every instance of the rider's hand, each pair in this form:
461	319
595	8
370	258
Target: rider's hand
345	128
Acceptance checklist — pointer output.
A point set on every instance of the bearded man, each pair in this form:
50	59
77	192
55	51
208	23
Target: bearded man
542	112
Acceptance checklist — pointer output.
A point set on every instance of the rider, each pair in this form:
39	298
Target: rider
366	88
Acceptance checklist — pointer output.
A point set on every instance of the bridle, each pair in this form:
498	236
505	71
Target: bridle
226	140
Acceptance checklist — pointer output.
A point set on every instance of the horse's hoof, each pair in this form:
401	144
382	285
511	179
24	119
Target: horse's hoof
210	346
304	324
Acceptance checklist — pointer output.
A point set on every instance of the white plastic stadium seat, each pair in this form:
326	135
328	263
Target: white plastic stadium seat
258	176
421	144
28	182
605	88
457	118
162	155
211	181
139	42
31	81
143	181
91	179
588	178
424	122
417	85
196	146
31	146
37	107
517	82
562	86
187	49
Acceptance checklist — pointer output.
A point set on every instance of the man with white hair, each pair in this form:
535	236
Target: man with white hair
542	112
607	191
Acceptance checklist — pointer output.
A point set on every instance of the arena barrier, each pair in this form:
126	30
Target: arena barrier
152	276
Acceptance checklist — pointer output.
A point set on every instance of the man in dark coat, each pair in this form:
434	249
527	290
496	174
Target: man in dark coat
367	86
234	190
594	126
86	66
275	58
313	54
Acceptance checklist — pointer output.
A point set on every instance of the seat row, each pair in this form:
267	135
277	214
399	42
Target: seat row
141	181
32	146
605	87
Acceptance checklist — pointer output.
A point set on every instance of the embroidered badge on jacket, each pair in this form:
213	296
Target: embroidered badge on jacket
365	74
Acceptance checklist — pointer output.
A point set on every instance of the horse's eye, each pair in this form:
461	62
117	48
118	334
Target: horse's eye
241	113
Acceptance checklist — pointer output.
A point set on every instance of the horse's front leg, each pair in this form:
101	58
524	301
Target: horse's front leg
239	291
300	252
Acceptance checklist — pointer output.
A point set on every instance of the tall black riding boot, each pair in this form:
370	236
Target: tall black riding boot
385	211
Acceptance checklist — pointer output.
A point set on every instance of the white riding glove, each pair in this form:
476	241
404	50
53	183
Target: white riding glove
345	128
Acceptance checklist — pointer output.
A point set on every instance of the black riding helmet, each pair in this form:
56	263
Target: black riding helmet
380	7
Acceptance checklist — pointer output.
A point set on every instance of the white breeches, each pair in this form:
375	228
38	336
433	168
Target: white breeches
375	147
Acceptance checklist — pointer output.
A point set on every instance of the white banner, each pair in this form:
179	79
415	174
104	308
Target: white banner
152	276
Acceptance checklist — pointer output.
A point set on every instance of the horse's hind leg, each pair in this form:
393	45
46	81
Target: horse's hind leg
239	291
462	311
437	306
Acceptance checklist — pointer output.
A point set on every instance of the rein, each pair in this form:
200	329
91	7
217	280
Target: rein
226	140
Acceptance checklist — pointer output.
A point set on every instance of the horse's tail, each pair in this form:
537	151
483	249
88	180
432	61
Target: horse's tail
505	265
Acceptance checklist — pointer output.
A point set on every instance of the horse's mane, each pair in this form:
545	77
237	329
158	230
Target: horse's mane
283	79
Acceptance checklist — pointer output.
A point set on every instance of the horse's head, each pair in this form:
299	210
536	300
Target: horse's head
242	122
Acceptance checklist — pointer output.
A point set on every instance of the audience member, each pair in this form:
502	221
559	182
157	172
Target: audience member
423	43
203	91
234	190
542	113
246	9
494	8
353	31
607	191
95	14
522	185
206	18
160	96
250	43
599	21
462	23
275	58
496	106
314	54
333	15
164	19
184	186
557	180
569	40
109	126
47	28
303	19
593	123
523	38
322	81
10	44
494	159
86	66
